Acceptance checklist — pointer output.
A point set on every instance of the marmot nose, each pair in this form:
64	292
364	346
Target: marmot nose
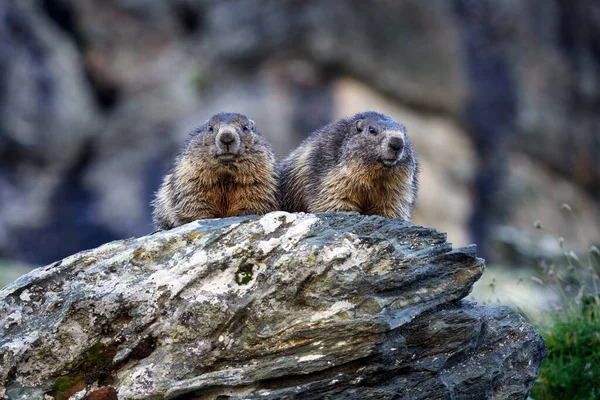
227	138
396	143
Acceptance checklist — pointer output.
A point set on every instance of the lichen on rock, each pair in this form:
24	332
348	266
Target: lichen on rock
276	306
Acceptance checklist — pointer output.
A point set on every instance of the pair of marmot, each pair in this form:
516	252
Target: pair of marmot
364	163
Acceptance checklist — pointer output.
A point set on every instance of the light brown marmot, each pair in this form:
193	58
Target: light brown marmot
227	168
364	163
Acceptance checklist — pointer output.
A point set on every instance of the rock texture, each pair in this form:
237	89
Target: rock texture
294	306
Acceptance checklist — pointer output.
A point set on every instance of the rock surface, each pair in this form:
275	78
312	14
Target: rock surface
285	305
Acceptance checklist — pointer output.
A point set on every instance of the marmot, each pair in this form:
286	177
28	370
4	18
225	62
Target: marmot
364	163
227	168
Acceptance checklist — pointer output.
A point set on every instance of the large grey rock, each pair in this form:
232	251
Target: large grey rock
280	306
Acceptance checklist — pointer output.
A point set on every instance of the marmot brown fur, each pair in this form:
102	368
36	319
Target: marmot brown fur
364	163
227	168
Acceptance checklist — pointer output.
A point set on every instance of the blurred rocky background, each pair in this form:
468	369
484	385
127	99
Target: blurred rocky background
501	100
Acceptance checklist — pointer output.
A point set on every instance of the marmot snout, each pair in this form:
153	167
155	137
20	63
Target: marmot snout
226	168
365	163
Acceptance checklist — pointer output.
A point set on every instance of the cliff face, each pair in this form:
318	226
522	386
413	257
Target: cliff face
301	306
97	96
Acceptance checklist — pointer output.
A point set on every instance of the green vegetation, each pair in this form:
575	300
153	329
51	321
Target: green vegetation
67	385
571	370
10	271
244	274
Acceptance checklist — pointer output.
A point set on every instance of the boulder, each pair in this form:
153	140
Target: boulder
294	306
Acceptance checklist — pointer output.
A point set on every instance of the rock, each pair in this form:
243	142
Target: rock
303	306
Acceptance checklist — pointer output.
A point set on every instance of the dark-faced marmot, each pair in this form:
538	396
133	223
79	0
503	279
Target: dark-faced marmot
364	163
227	168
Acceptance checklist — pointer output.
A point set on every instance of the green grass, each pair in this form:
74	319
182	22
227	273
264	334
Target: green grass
571	370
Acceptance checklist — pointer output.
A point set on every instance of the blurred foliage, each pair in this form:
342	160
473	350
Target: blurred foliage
571	369
10	271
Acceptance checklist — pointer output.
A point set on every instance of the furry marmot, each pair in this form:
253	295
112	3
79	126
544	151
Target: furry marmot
365	163
227	168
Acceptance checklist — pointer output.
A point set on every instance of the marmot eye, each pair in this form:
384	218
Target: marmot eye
372	131
210	128
245	128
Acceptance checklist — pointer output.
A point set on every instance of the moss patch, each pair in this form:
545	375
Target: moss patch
98	363
67	385
181	333
244	274
96	366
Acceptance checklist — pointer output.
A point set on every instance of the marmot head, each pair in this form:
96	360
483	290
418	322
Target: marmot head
226	137
376	139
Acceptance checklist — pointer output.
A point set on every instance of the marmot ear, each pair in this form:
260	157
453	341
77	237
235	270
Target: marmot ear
251	124
360	125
